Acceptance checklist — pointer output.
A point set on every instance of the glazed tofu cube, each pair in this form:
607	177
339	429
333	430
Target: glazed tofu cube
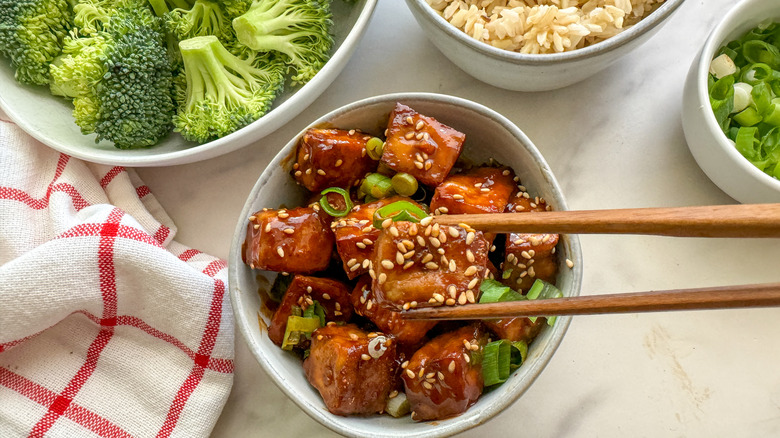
298	240
355	235
354	371
406	332
428	264
421	146
528	257
441	380
332	295
332	158
515	329
481	190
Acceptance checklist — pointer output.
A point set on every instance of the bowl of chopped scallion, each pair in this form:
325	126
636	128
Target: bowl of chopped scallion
731	103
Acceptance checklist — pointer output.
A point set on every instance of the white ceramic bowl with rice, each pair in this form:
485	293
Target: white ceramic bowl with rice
714	152
555	47
49	118
488	134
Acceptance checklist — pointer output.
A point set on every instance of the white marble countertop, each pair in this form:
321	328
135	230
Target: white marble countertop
613	141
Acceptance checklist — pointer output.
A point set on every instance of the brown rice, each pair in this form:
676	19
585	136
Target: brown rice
543	26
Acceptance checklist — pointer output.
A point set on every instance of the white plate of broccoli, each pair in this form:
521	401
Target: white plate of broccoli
160	82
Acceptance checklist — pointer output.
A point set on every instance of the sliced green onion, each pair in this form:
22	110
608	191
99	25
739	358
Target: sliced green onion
375	146
298	329
377	185
398	406
315	310
332	210
399	211
404	184
518	355
496	362
542	290
747	142
747	117
506	274
722	100
280	286
756	51
491	291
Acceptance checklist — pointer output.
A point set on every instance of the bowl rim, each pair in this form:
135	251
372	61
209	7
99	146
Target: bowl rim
608	45
514	385
265	125
714	41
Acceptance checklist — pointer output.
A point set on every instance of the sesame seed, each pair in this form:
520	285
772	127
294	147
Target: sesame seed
427	231
410	373
393	394
505	173
405	364
369	305
420	241
467	344
522	274
442	237
526	254
320	172
401	247
435	242
365	357
493	248
432	266
440	251
298	173
569	263
462	299
289	230
470	256
337	305
394	231
367	229
426	221
319	337
382	278
450	302
363	152
306	157
252	218
280	251
451	367
326	296
444	209
368	241
440	375
457	196
409	135
510	258
386	223
399	258
453	232
428	165
267	228
531	272
256	226
366	263
418	165
470	237
419	136
413	304
283	215
339	162
408	244
453	266
473	283
418	157
408	264
406	306
427	385
421	373
361	245
427	258
470	296
354	268
387	264
452	290
466	357
426	136
353	336
419	125
438	297
409	120
532	253
471	270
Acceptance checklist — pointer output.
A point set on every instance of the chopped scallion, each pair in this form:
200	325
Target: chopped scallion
377	185
399	211
298	329
491	291
496	362
332	210
375	146
404	184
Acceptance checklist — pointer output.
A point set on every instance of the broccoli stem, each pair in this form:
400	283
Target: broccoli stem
205	62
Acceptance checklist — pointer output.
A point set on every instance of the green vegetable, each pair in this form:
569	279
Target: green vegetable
224	93
398	406
315	311
329	208
119	79
162	7
203	18
32	34
377	185
518	354
398	211
543	290
280	286
298	329
751	121
375	146
404	184
492	291
299	29
496	362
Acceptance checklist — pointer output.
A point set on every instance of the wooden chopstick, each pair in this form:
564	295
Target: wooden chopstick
725	297
740	220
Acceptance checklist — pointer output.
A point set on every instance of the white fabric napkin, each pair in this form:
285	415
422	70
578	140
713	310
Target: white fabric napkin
108	327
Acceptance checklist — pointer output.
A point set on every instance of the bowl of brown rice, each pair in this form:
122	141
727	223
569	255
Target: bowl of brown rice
538	45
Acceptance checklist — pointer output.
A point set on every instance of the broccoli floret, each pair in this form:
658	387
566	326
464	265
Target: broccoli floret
204	18
31	35
162	7
120	80
299	29
224	93
91	16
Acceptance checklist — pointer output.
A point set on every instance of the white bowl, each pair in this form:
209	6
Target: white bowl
715	152
48	118
524	72
488	134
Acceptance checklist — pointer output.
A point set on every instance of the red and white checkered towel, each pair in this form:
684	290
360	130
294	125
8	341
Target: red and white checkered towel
107	326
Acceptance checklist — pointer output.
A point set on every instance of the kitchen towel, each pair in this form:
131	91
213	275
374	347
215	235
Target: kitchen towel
108	327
